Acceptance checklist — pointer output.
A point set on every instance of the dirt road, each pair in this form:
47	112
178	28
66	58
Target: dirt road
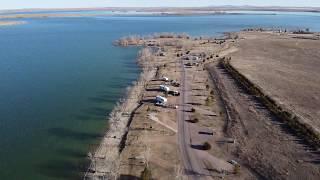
194	167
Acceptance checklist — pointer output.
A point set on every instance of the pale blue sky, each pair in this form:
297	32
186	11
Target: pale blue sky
19	4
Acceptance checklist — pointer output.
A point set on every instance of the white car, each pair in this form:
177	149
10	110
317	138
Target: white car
164	88
165	79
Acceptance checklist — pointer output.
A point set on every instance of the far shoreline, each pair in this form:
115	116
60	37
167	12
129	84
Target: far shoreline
11	23
139	11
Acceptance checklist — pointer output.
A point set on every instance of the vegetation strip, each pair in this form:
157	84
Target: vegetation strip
294	121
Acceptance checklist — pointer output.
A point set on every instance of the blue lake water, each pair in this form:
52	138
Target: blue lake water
60	77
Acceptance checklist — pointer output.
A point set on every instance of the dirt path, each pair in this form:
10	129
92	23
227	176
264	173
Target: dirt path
192	164
264	143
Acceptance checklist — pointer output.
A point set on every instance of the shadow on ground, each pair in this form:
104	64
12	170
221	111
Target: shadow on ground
128	177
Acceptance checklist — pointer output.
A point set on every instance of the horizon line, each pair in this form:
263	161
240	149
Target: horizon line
160	7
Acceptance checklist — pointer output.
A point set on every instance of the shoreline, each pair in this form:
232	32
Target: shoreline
105	158
73	13
11	23
151	9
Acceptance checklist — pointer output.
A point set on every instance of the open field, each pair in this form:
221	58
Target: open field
285	67
265	144
219	129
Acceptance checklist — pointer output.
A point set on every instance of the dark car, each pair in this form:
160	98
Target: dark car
174	93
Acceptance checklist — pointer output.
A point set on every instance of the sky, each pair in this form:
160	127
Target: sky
22	4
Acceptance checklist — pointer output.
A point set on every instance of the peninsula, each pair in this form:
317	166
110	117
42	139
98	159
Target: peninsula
217	108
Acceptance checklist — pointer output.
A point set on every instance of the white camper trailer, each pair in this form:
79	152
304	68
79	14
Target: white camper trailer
164	88
161	101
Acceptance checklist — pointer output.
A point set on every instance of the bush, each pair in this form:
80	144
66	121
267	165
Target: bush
208	101
206	146
195	120
236	169
146	174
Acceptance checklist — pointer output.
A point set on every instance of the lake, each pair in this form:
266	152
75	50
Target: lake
60	77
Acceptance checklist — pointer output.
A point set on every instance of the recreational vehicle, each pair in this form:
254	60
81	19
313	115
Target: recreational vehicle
161	101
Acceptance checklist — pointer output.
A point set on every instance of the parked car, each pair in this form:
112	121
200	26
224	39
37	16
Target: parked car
161	101
175	83
165	79
188	64
174	93
164	88
233	162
